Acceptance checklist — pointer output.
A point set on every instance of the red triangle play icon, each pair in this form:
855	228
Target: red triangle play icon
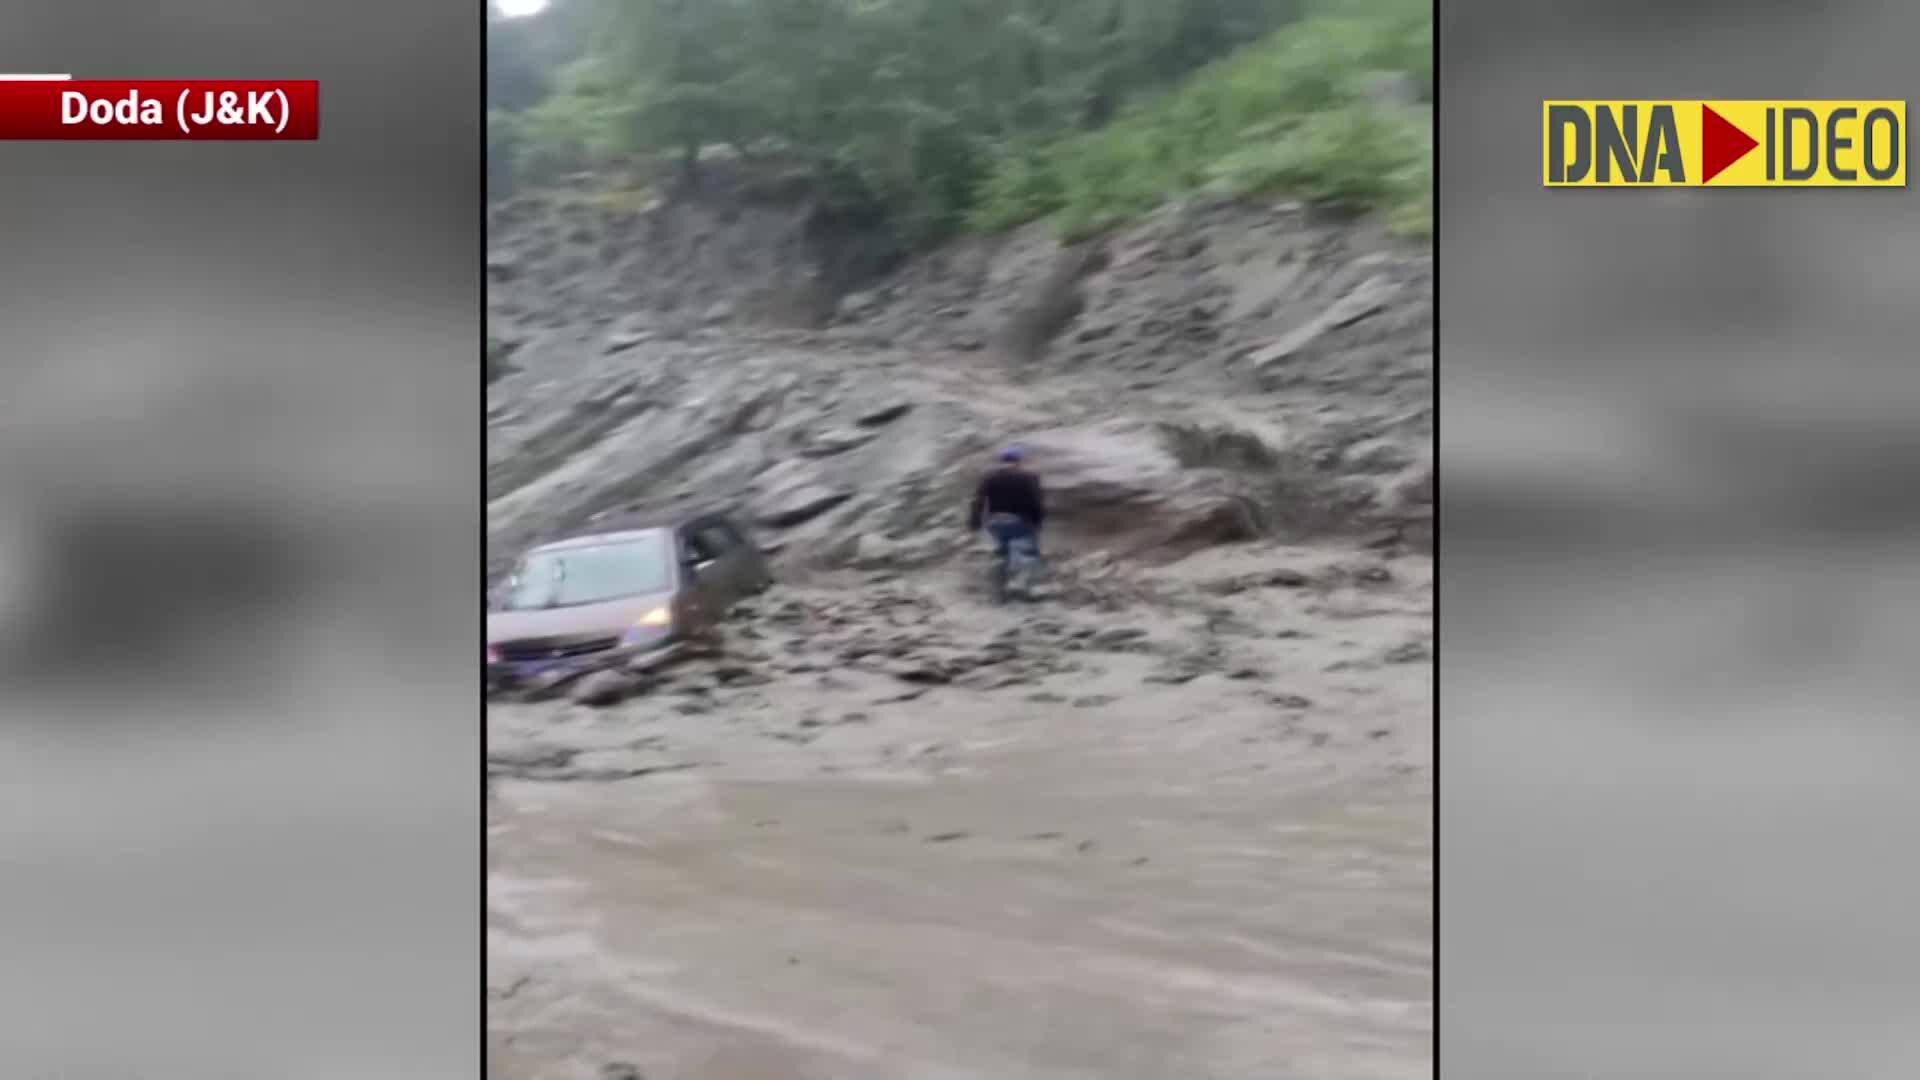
1721	144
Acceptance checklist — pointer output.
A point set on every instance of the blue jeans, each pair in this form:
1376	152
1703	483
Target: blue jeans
1008	531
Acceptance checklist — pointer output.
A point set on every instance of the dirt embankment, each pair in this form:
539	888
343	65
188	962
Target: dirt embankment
1220	372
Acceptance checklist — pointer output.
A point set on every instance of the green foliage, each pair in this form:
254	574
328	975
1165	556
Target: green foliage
503	150
1352	157
937	113
1414	219
1292	113
523	53
1026	183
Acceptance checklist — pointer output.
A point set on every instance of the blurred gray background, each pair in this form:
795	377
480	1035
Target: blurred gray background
239	555
1680	562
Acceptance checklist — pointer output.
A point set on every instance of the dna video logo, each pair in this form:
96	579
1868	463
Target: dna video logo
1724	144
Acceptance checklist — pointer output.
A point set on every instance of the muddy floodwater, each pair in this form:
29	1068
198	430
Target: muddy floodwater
1065	862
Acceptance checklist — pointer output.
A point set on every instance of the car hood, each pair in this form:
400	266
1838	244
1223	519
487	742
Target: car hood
608	618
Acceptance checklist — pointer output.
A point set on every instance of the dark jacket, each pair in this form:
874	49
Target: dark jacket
1008	490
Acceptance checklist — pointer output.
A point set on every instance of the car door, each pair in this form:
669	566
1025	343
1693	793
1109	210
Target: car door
727	575
754	574
699	571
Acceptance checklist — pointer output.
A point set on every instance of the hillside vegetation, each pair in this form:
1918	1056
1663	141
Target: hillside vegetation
944	115
1298	113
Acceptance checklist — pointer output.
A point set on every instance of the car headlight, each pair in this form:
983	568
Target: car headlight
648	628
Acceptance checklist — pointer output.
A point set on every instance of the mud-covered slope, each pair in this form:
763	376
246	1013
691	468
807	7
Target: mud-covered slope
1219	372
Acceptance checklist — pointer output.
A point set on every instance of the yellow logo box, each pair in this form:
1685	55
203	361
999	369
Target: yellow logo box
1723	144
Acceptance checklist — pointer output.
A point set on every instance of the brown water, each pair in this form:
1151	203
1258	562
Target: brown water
1188	881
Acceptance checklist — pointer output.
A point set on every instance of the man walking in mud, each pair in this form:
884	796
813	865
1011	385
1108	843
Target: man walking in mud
1011	507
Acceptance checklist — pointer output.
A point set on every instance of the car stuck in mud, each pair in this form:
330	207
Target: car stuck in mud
616	597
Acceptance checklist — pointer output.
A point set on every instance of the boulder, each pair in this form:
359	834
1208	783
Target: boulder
1366	299
1120	486
858	305
872	550
835	441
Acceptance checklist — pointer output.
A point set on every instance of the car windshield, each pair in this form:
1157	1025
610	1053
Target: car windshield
590	575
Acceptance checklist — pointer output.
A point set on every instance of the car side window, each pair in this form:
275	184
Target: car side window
692	544
716	538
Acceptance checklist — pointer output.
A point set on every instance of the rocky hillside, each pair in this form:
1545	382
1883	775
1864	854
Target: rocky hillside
1219	372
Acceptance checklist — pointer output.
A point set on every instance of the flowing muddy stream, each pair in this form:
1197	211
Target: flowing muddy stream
1172	838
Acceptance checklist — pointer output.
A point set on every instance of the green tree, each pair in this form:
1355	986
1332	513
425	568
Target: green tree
911	108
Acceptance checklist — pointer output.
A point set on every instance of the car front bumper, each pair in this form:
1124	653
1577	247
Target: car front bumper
506	674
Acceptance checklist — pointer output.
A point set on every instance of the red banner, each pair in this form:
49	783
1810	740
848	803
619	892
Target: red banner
110	109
